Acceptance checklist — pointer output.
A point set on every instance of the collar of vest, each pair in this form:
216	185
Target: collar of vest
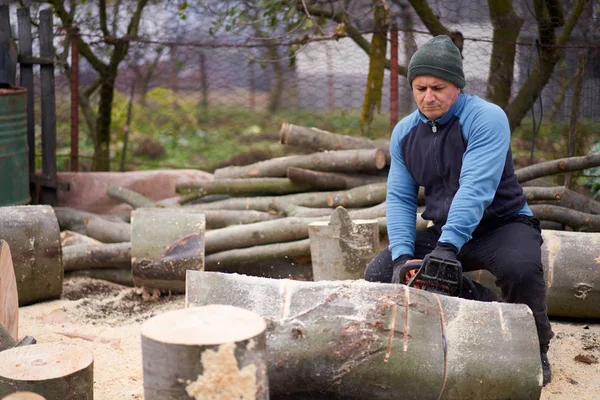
454	110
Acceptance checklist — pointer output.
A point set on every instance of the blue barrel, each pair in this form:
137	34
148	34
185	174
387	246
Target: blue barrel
14	163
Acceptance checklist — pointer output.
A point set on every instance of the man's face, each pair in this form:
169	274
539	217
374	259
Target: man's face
434	96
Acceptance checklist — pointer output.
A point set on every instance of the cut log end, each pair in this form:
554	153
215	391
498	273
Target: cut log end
54	370
24	396
202	326
380	159
9	297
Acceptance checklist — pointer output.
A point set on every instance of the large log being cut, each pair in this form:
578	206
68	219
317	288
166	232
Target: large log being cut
34	237
211	352
54	370
357	339
165	243
572	272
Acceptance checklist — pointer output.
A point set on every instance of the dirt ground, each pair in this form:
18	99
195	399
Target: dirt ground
106	318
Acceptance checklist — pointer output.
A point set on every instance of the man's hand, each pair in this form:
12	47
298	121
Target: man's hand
445	251
398	263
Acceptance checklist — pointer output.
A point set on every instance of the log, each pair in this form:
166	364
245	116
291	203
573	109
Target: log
107	231
363	160
341	248
70	238
318	140
210	352
241	187
121	276
89	256
357	339
24	396
571	274
6	339
54	370
319	180
164	244
362	196
128	196
9	296
552	167
33	234
562	197
73	220
221	218
575	219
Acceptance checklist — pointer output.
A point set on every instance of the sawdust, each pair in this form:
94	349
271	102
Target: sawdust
105	312
222	379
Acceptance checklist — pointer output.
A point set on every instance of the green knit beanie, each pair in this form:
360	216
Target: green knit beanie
438	57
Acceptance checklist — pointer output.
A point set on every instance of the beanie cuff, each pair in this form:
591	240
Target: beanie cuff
450	76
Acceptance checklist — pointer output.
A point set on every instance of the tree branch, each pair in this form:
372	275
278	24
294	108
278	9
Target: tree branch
431	21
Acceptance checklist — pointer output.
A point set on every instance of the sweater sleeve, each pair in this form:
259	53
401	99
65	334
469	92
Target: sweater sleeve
487	134
401	201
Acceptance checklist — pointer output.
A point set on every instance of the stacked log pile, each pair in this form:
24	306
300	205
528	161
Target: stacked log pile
257	215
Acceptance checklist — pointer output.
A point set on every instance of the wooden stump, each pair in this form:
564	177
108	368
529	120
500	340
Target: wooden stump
53	370
24	396
164	244
34	237
572	273
9	297
341	248
363	340
209	352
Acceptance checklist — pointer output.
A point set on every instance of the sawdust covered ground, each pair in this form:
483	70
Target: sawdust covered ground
107	318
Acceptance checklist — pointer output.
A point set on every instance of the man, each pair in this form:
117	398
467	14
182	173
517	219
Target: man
458	148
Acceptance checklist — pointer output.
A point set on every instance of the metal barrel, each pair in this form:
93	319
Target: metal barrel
14	164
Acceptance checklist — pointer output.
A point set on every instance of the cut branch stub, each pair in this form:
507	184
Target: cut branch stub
54	370
165	243
374	340
33	234
341	248
210	352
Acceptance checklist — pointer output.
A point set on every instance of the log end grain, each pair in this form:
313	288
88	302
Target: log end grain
24	396
9	296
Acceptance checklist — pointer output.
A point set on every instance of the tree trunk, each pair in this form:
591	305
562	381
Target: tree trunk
70	219
211	352
88	256
318	180
331	161
107	231
34	238
164	244
341	248
240	187
221	218
121	276
577	220
9	296
101	158
54	370
355	339
556	166
134	199
570	271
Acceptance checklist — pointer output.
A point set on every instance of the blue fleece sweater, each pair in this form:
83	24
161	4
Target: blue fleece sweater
464	161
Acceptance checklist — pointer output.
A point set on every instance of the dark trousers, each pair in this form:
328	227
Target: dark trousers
510	250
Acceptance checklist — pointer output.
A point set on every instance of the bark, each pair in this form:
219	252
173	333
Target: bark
319	140
507	25
107	231
318	180
160	257
86	256
564	197
557	166
226	357
570	271
121	276
70	219
221	218
341	248
134	199
54	370
362	196
574	219
240	187
9	296
361	160
69	238
34	238
354	339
